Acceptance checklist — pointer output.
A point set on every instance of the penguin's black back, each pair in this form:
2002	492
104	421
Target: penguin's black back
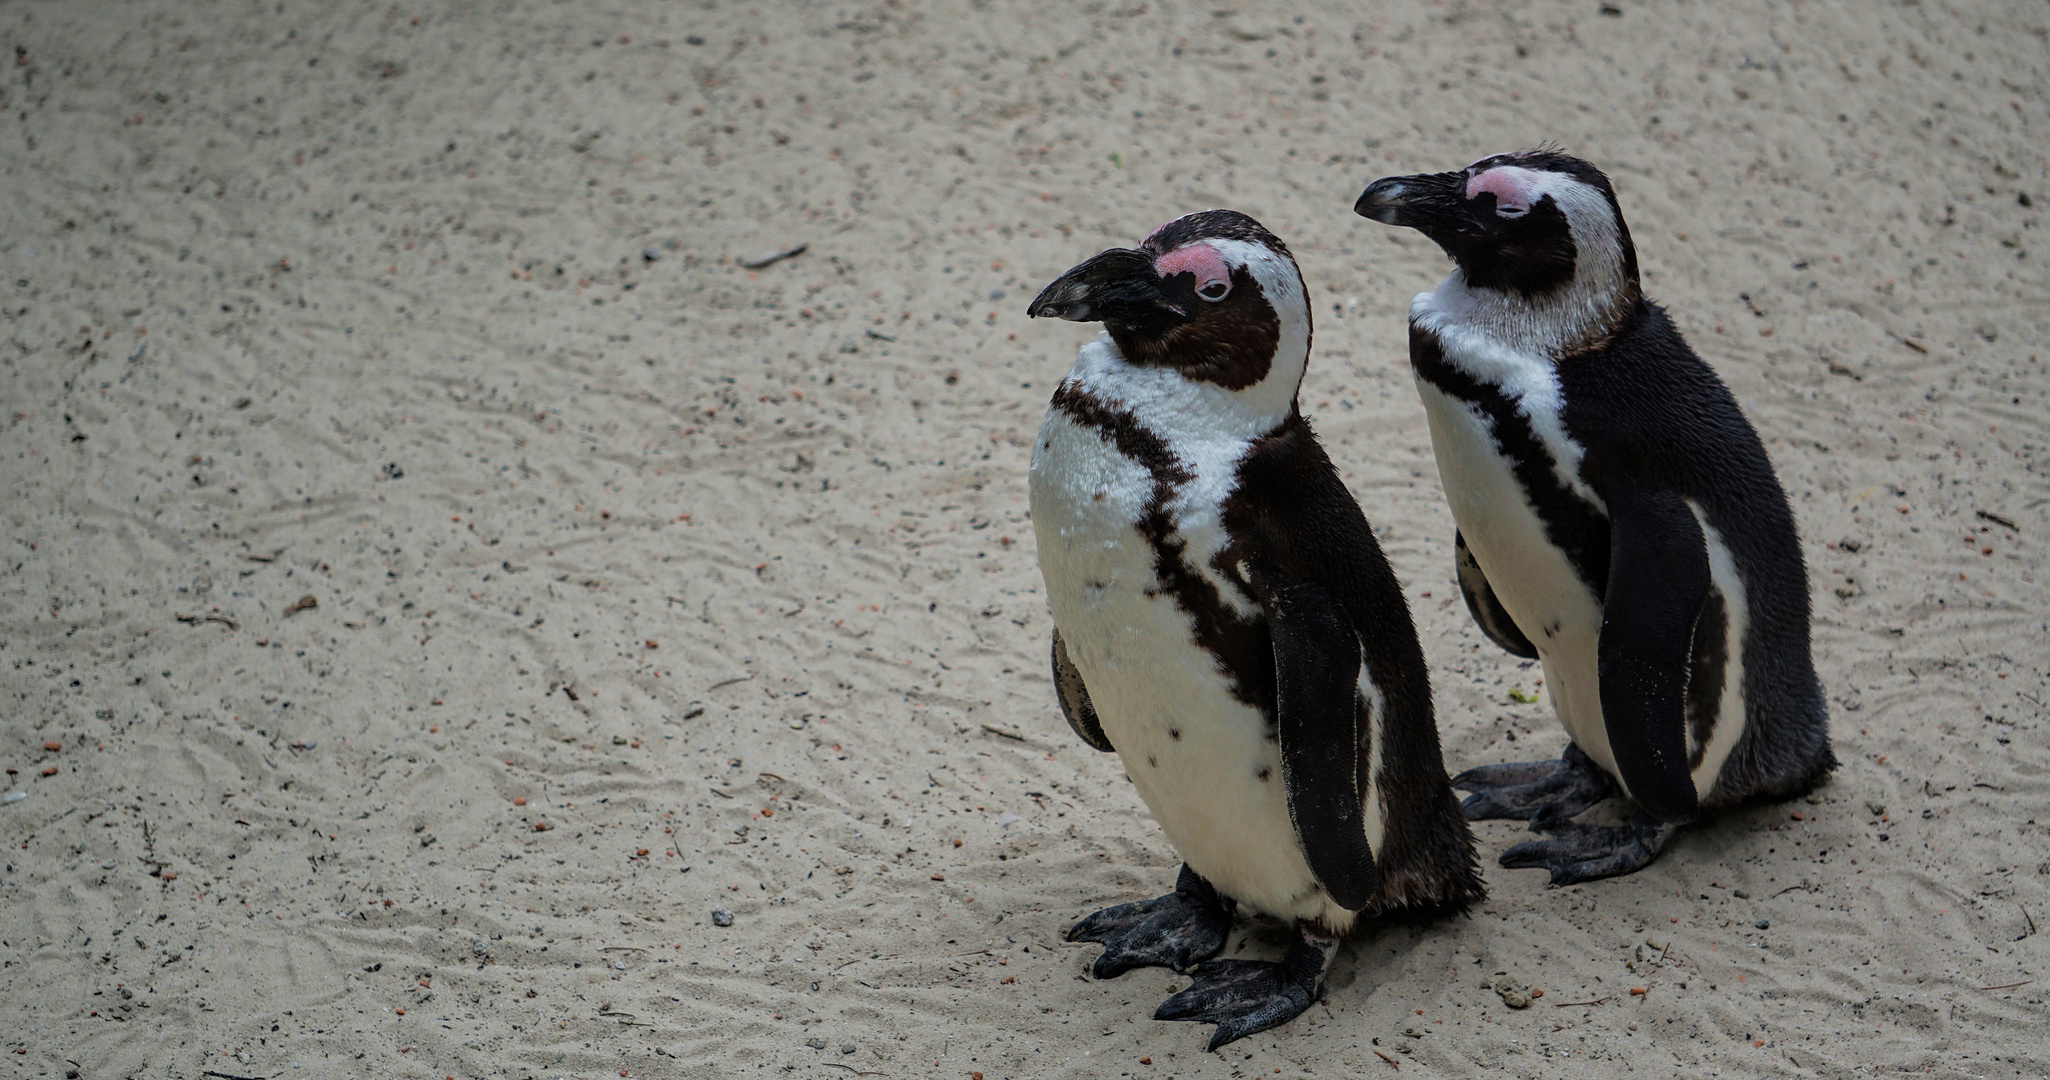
1645	406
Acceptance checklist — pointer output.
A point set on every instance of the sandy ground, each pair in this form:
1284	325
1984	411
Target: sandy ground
448	575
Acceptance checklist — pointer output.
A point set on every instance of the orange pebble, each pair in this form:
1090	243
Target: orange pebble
519	800
49	770
1637	991
53	746
939	877
401	1012
1146	1061
640	851
540	826
171	875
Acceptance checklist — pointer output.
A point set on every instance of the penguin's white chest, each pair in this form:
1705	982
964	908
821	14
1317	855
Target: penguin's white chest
1202	760
1532	577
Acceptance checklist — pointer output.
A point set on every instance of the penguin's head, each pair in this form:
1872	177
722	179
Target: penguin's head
1532	223
1212	295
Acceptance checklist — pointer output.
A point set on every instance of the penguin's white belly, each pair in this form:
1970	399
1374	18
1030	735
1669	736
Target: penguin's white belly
1200	758
1531	576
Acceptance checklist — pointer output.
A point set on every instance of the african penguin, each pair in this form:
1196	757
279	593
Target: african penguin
1225	623
1617	518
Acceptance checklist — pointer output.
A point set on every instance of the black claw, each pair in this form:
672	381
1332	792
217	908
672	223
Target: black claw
1243	997
1172	931
1576	853
1550	792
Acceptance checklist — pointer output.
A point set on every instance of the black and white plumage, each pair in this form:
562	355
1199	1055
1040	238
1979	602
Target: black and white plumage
1617	517
1226	623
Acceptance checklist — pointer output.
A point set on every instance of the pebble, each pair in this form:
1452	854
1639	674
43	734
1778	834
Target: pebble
815	1043
721	917
1512	994
1740	894
478	949
13	797
848	1048
1763	924
619	965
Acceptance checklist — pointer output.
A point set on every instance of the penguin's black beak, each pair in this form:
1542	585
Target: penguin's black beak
1432	203
1118	286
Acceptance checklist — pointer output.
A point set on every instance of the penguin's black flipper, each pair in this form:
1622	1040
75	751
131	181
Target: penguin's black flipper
1487	611
1658	581
1316	721
1067	684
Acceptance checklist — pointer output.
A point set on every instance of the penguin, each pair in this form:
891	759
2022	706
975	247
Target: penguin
1226	624
1616	518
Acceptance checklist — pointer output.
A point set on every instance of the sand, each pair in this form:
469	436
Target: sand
450	575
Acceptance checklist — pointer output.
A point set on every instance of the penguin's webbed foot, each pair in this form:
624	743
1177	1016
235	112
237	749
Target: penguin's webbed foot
1243	997
1172	931
1575	853
1546	793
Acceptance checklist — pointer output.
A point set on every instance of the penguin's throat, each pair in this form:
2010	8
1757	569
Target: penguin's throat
1578	316
1169	398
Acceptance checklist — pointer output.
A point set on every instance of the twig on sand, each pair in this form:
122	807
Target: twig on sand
196	619
852	1069
1997	519
1575	1004
2008	986
728	682
232	1076
773	257
1004	732
1392	1063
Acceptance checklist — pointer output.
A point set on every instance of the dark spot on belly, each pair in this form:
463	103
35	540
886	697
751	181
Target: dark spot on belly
1264	772
1150	761
1174	733
1098	497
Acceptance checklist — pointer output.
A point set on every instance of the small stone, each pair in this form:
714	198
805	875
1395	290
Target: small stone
1875	808
619	740
1763	924
721	917
848	1048
478	949
815	1043
1512	994
1740	894
619	965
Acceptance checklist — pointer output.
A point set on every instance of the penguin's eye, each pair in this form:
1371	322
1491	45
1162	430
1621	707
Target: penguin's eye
1214	291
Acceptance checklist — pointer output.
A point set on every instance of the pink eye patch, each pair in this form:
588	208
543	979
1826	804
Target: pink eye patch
1199	259
1514	189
